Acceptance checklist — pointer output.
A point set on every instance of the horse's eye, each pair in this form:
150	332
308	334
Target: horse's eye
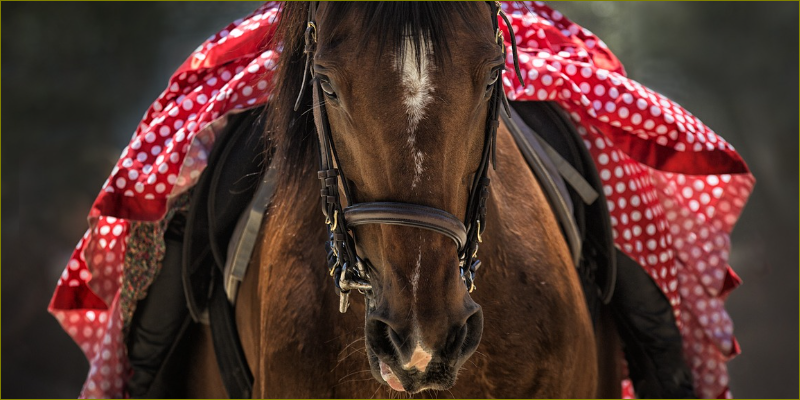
493	77
327	88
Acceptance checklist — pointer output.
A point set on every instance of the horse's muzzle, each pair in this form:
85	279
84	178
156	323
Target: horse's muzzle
398	360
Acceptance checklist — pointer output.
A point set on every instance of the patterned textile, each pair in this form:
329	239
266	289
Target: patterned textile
674	187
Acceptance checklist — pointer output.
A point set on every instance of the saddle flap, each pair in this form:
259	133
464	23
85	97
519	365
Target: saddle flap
223	192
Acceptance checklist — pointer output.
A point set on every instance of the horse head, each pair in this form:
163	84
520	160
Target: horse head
404	95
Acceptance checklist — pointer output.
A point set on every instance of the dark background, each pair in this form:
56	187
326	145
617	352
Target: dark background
78	76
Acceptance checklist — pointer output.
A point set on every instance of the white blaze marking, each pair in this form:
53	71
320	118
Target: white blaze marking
419	359
414	287
417	96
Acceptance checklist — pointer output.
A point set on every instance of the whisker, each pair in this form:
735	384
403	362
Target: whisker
376	391
353	373
351	354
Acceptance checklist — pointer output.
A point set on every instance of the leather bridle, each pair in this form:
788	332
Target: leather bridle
344	265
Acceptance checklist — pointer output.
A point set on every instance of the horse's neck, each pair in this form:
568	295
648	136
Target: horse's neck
529	291
519	215
287	310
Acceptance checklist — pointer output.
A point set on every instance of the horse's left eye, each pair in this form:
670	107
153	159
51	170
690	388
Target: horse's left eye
327	88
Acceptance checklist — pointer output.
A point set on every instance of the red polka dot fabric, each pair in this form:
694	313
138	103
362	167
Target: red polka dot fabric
674	187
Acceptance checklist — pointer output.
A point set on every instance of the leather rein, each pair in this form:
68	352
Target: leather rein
349	271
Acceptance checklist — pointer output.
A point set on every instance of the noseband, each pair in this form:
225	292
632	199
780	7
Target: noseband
344	265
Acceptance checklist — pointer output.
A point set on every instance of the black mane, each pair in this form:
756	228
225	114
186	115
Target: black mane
393	21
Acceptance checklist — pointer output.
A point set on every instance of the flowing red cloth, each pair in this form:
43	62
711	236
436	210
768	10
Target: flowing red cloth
674	187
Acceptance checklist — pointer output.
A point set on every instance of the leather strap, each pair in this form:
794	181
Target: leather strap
413	215
243	241
233	368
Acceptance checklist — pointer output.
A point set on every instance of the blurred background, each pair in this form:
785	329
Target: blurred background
78	77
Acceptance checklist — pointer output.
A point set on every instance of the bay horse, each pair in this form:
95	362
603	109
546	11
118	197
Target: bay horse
407	93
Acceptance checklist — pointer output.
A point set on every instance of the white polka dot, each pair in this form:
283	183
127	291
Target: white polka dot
655	111
121	183
627	98
600	143
541	94
187	105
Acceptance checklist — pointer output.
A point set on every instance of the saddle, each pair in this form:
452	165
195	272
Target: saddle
229	200
190	288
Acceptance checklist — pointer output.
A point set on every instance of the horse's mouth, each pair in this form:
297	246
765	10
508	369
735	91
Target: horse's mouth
390	378
435	378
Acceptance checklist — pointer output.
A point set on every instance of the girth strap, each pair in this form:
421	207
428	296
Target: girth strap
413	215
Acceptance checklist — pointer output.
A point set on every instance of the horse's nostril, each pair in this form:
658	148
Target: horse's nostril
454	341
473	330
381	338
395	338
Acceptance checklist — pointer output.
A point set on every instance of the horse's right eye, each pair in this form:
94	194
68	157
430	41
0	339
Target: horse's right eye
494	75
